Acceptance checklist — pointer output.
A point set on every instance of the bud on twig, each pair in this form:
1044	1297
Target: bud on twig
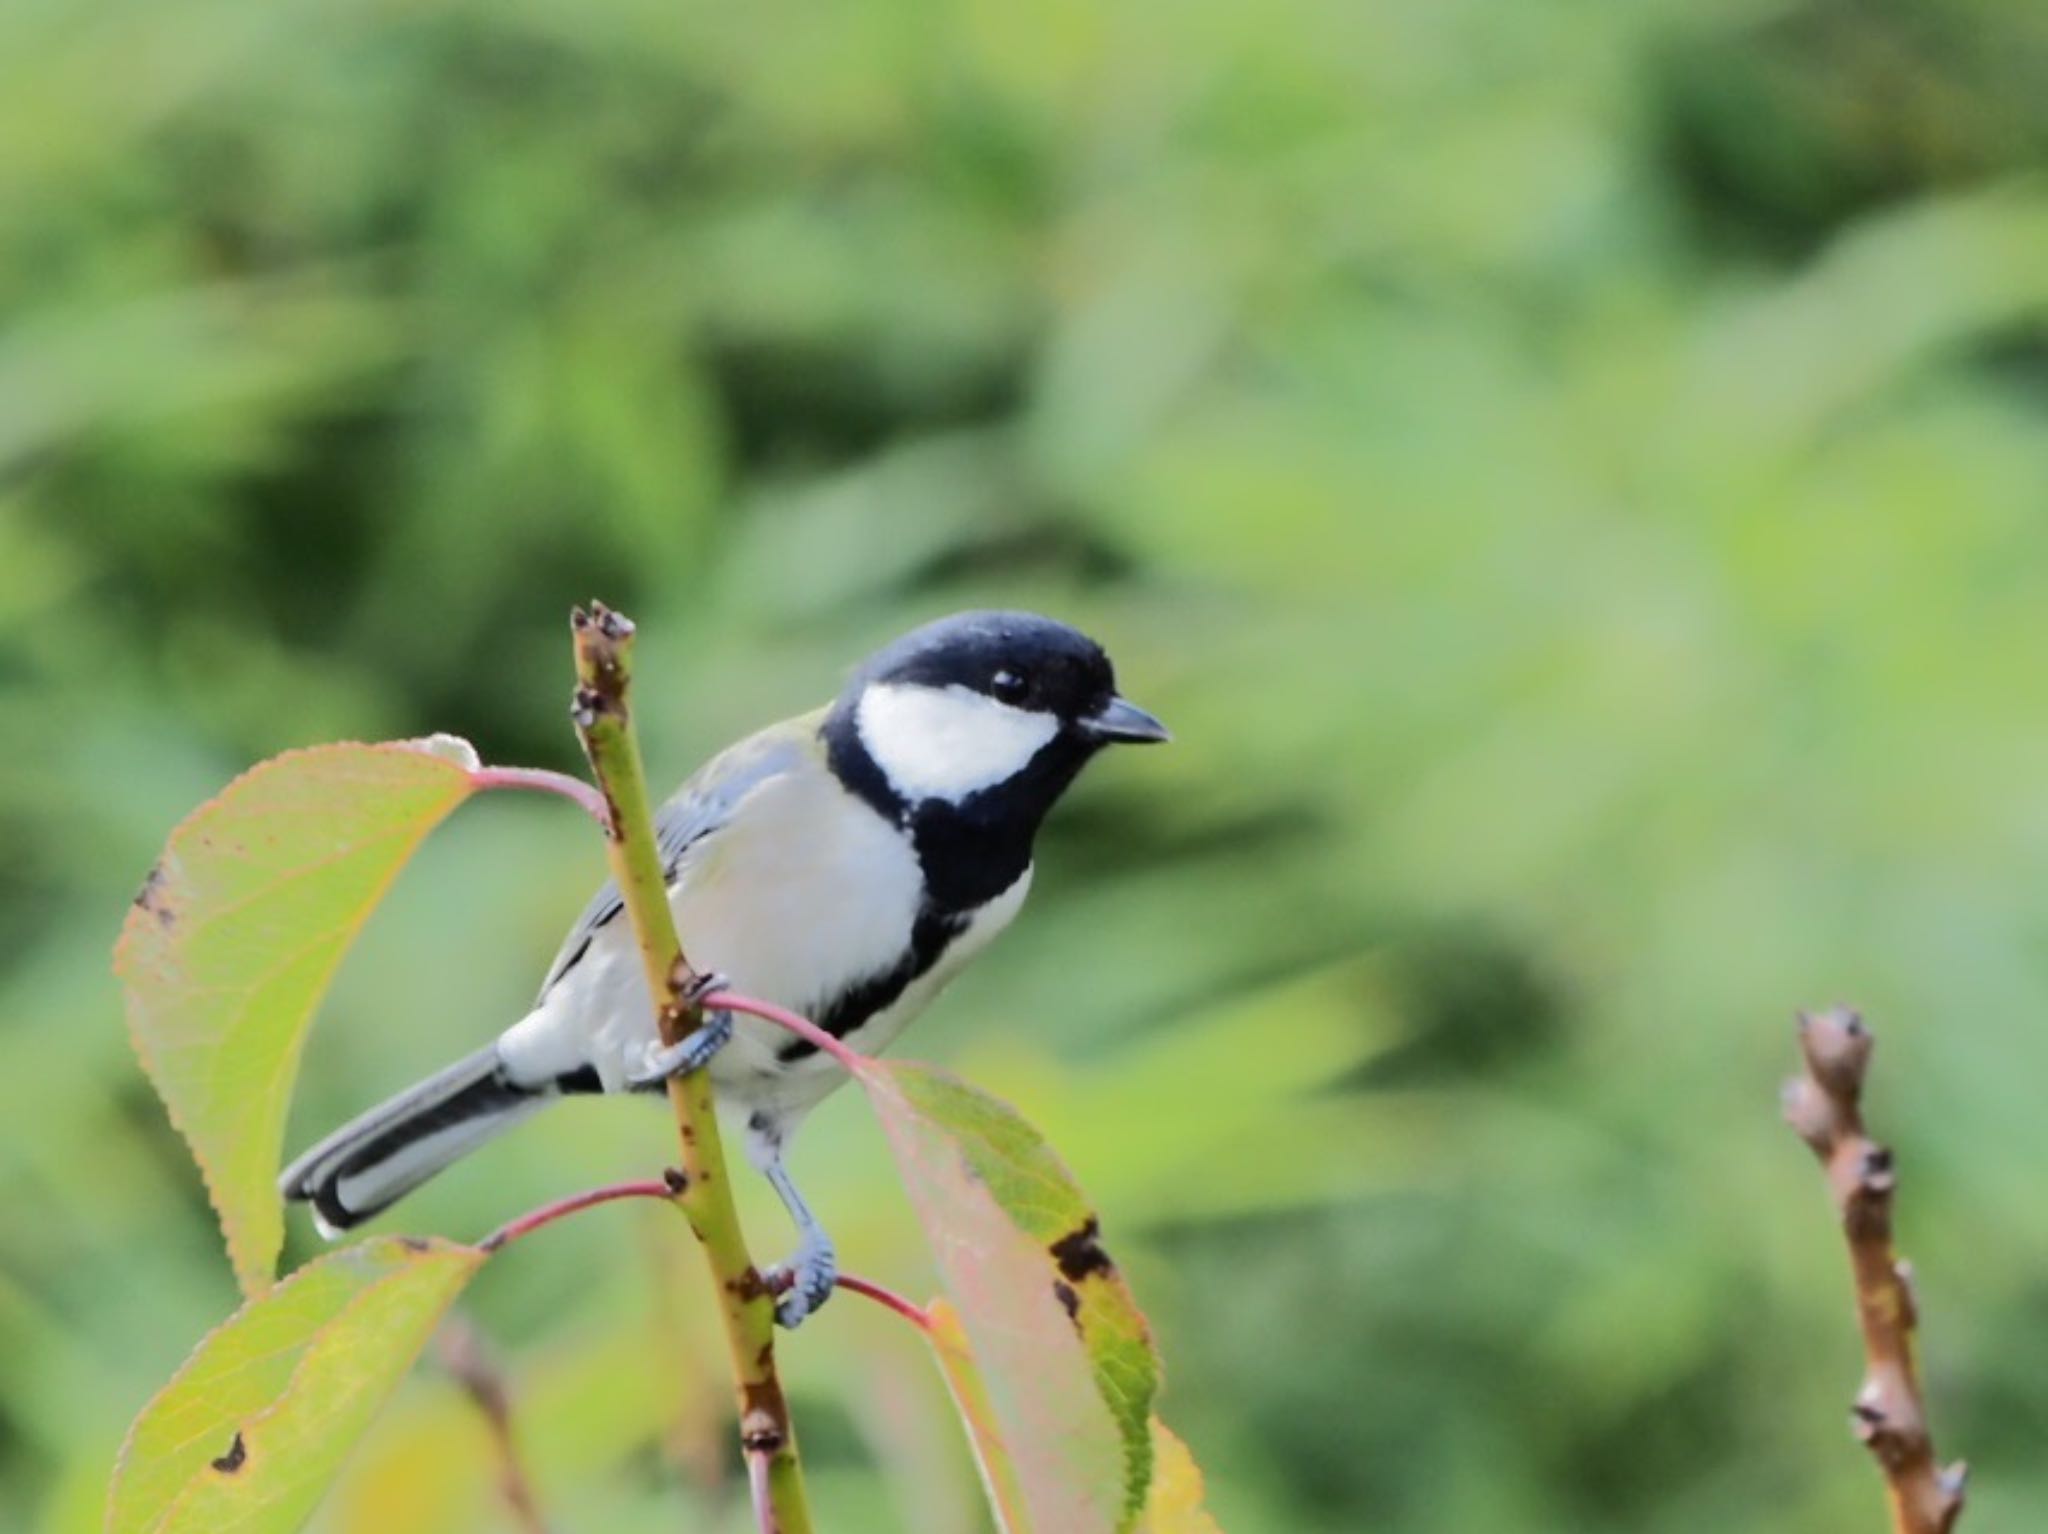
1824	1106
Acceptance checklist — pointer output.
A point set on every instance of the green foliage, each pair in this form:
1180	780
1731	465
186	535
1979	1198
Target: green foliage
227	951
1570	476
235	936
1068	1373
255	1427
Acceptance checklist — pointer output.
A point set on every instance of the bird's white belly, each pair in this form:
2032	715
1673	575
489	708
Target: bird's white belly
794	901
797	1086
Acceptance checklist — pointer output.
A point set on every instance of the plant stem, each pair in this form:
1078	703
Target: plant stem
1824	1105
575	790
796	1023
671	1187
912	1312
604	648
468	1360
547	1214
759	1491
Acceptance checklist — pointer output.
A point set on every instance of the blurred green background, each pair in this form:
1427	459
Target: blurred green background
1574	476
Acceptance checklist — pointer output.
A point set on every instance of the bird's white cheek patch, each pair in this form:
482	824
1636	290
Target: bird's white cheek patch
948	742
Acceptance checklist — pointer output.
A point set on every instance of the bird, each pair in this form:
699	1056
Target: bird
845	864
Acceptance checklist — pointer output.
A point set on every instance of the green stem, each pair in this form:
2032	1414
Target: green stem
604	649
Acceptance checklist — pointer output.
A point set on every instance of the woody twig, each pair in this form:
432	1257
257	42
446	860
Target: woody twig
1824	1105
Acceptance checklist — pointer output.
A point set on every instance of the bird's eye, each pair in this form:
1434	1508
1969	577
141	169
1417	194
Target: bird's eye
1009	686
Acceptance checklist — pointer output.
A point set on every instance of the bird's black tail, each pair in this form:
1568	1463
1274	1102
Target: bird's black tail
373	1161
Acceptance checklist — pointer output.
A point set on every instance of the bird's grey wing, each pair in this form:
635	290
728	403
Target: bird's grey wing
693	813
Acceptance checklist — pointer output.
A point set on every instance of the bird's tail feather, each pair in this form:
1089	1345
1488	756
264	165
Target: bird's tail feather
373	1161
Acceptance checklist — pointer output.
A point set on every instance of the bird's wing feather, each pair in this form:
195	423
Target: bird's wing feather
695	812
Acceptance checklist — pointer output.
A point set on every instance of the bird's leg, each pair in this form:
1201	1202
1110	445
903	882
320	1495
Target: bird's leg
693	1051
814	1266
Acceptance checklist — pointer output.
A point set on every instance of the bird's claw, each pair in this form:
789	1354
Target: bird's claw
805	1282
692	1052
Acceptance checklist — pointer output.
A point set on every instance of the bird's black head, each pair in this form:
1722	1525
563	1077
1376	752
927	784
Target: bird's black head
969	729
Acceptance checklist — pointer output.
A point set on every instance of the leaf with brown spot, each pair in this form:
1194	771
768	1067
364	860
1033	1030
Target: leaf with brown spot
1049	1358
1079	1252
288	1384
238	931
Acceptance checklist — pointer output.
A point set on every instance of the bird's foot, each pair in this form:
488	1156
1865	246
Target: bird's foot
692	1052
806	1281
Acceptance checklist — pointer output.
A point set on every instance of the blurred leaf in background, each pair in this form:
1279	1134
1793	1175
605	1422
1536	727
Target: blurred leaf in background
1572	476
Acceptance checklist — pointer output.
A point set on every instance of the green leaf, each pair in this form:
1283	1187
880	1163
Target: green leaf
1065	1357
250	1432
236	935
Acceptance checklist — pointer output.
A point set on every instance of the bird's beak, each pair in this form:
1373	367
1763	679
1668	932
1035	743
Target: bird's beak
1122	720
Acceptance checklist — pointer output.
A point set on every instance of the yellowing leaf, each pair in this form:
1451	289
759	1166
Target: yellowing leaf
1174	1504
250	1432
1066	1366
984	1429
236	935
1173	1501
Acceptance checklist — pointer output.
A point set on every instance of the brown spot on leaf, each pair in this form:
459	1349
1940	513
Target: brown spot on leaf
412	1243
151	898
233	1460
1070	1301
1079	1252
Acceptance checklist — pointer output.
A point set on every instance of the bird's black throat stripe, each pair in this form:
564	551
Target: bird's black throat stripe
969	852
930	937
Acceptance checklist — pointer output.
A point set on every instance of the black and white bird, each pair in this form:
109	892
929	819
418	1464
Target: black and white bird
844	864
